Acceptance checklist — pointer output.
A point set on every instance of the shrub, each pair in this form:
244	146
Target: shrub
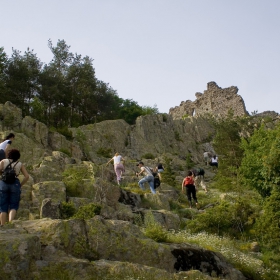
104	152
88	211
66	132
65	151
228	218
177	136
67	210
164	117
73	179
148	156
189	162
168	176
153	229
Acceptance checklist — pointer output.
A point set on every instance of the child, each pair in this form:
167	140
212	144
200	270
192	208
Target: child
188	183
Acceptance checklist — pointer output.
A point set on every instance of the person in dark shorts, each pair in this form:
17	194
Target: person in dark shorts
10	192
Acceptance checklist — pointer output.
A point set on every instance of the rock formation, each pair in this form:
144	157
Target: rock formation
215	101
41	244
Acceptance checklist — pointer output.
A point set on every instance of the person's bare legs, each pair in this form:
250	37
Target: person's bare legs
12	215
3	218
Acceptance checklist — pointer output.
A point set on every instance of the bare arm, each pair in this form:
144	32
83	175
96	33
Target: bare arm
1	166
109	161
25	174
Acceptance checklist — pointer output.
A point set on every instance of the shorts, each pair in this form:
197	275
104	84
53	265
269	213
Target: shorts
9	196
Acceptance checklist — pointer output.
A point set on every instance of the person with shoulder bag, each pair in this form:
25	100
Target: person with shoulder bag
10	188
148	177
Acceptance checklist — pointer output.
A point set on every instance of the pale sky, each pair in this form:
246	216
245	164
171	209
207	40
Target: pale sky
159	51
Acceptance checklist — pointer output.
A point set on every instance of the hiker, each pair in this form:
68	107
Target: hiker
159	169
214	161
188	183
206	157
5	146
10	193
148	177
199	178
118	166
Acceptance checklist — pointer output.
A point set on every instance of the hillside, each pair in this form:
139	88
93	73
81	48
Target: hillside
75	222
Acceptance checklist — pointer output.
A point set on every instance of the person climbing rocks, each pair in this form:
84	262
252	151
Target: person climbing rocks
119	166
188	183
148	177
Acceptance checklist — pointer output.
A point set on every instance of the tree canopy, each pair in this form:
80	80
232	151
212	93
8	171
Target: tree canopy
64	92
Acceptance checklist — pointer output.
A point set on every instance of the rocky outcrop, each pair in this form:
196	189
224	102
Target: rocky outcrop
31	246
215	101
39	244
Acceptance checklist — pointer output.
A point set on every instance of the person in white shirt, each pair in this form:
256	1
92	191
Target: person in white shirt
5	146
118	166
214	161
149	177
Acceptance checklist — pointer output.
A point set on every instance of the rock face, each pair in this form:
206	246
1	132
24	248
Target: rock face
39	244
214	101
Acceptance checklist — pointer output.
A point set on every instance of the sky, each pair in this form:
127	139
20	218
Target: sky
159	52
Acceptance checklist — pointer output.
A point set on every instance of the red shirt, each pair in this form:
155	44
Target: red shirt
188	181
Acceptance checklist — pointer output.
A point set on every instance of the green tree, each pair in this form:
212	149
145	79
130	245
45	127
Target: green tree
3	66
22	74
260	166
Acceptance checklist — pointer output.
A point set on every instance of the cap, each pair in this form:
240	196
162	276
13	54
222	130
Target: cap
140	162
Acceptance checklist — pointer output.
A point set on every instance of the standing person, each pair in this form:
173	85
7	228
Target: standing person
5	146
10	192
149	177
188	183
206	157
118	166
214	161
199	178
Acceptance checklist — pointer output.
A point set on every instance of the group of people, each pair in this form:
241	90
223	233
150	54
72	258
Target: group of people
211	160
146	172
10	192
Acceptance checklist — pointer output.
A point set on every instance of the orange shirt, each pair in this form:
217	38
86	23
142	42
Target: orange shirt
188	180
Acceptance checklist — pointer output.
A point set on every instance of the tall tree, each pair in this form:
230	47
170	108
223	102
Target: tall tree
3	66
22	75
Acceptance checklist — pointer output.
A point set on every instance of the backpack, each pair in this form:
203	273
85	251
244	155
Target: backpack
9	174
188	181
156	181
198	171
156	178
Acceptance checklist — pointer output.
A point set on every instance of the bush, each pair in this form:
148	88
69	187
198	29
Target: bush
88	211
148	156
65	151
67	210
73	179
153	229
228	218
104	152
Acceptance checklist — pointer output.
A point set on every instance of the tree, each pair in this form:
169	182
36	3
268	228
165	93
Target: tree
3	66
22	75
260	166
